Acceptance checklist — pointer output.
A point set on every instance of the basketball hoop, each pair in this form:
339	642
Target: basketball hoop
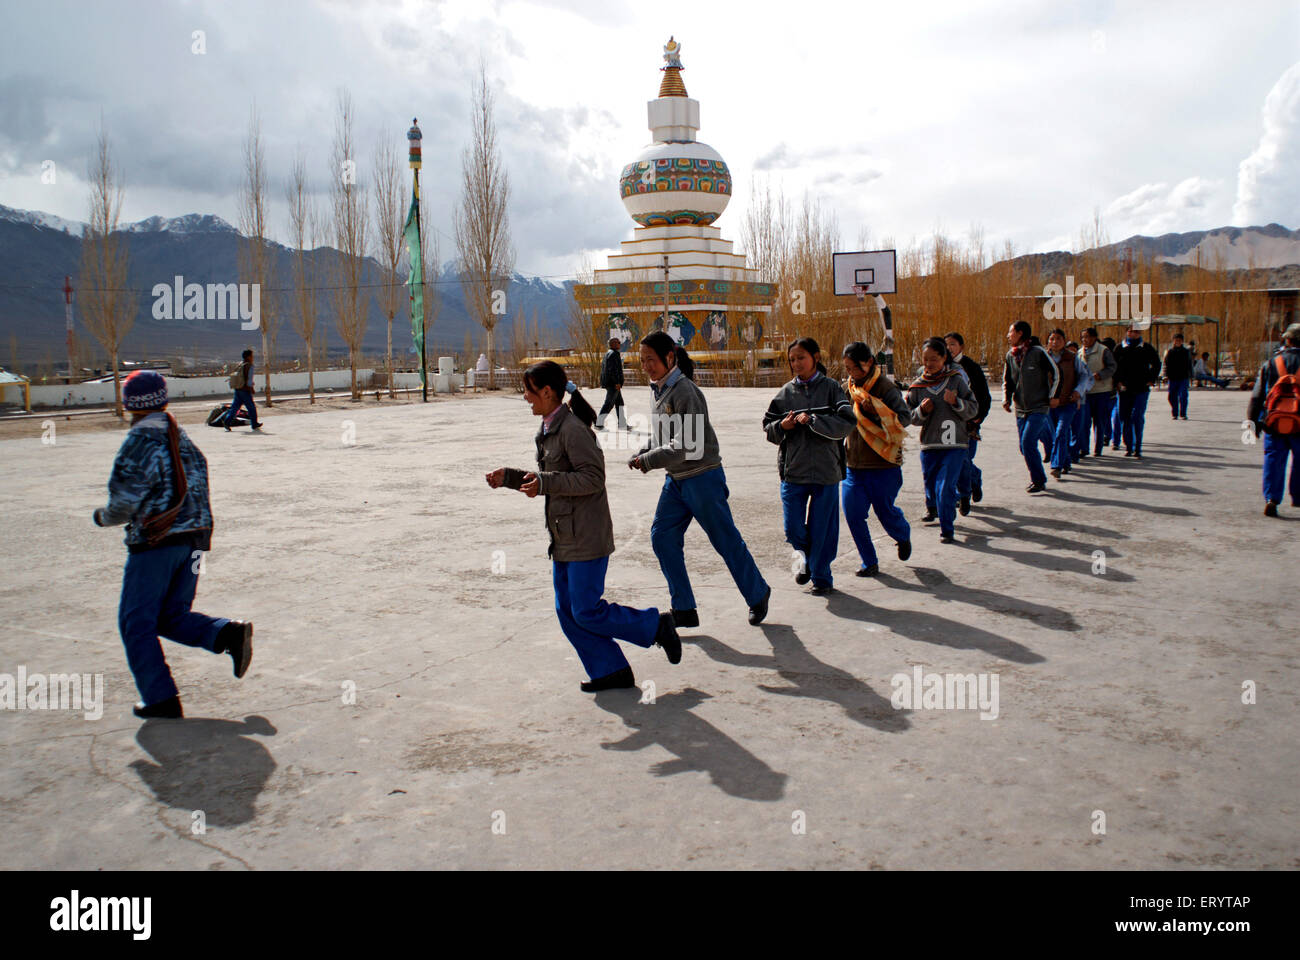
860	289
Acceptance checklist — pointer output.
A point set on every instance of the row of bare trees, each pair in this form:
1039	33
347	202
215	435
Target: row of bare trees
352	225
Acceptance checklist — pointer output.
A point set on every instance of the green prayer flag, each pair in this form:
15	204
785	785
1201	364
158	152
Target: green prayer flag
415	280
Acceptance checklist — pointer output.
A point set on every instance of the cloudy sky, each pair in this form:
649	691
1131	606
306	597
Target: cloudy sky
1019	118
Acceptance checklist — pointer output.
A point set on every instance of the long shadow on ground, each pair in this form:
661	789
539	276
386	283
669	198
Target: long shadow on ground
810	677
208	765
931	628
937	584
697	744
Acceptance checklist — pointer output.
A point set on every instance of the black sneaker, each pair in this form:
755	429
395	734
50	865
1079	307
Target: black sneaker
236	639
1270	509
686	618
820	591
1055	472
227	426
870	571
1128	453
1137	454
257	426
904	549
667	638
1036	488
963	507
947	538
617	680
803	576
930	515
169	709
976	493
758	612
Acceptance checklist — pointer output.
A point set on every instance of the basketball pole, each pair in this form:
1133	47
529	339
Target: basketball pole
888	348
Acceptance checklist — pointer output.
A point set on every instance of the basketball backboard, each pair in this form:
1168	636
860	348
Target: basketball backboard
873	269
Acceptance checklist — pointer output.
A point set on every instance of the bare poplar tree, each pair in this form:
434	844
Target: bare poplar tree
390	221
255	261
304	233
347	196
107	306
482	223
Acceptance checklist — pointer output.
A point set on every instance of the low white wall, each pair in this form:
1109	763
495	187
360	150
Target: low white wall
100	394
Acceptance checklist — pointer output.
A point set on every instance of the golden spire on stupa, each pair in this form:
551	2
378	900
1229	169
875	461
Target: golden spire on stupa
672	85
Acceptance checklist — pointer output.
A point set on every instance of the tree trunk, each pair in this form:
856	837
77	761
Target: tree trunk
492	367
311	374
266	369
391	393
352	362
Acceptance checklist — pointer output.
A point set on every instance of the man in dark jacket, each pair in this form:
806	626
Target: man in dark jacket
611	378
1137	367
1276	446
1030	380
242	381
1178	371
970	484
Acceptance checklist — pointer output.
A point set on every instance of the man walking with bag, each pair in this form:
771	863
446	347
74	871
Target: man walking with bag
242	381
611	378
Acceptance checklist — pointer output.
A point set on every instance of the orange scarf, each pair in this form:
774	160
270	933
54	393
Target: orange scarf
885	438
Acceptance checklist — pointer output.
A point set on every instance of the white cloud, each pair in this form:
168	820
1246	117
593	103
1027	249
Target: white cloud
1157	208
1268	181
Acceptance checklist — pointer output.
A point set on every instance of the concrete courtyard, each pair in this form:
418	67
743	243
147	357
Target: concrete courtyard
413	704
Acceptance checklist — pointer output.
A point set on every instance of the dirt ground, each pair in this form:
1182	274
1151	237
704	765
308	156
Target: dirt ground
412	702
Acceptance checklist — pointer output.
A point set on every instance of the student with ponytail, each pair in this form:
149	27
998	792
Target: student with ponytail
682	443
571	475
809	419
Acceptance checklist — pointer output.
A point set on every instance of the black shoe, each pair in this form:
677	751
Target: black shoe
1081	456
870	571
686	618
618	680
758	612
818	591
1128	453
1065	469
257	426
667	638
169	709
976	493
1097	452
947	538
1270	509
904	549
1036	488
1182	418
1137	454
1114	446
963	506
930	515
236	639
1055	472
227	426
1175	416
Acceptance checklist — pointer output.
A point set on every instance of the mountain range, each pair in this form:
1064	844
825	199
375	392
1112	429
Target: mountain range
37	250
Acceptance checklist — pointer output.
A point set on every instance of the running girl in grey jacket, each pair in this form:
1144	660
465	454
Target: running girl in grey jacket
941	402
809	418
571	475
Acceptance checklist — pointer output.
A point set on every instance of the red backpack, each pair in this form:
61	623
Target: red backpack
1282	405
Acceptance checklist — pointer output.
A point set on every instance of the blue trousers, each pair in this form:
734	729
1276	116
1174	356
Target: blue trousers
971	475
702	498
1276	449
812	525
1116	423
1062	420
1034	429
941	470
1079	431
1133	417
865	490
243	398
592	624
1098	409
1178	396
157	591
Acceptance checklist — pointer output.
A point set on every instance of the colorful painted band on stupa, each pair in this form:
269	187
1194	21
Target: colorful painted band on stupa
615	296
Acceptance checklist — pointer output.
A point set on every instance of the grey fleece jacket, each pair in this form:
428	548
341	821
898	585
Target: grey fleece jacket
811	453
944	427
682	440
1031	383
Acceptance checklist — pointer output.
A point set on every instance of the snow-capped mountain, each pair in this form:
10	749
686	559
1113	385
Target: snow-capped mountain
1234	248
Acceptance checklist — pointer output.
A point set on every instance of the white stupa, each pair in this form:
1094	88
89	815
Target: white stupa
675	189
